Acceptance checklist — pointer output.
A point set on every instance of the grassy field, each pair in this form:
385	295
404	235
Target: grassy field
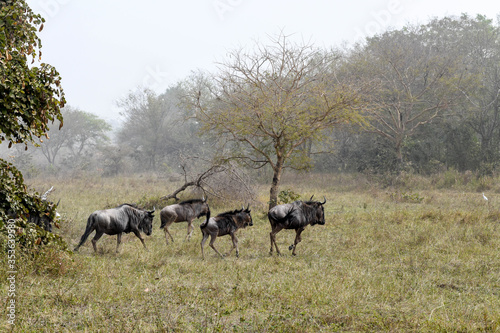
420	257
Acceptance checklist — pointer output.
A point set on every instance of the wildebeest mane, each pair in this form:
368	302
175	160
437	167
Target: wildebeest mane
228	213
135	214
127	204
308	210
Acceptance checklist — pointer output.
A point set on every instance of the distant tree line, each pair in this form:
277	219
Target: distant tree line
423	98
434	103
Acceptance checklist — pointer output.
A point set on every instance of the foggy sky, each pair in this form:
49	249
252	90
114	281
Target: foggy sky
104	49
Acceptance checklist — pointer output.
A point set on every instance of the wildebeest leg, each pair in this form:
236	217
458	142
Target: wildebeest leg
212	240
272	235
297	240
190	230
83	239
235	245
98	235
166	221
118	241
205	236
167	234
138	234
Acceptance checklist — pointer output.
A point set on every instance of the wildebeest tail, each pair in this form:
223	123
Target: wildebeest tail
90	227
204	224
163	221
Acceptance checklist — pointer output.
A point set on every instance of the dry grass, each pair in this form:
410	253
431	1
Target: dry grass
386	260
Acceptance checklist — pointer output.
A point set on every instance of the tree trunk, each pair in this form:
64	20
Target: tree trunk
399	157
278	170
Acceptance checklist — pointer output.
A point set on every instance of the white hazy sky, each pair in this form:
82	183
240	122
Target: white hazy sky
104	49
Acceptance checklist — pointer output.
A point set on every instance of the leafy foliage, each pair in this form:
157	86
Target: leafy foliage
30	96
287	196
30	236
16	203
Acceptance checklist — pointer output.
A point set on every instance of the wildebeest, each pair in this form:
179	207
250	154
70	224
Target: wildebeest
115	221
224	224
42	218
184	211
296	215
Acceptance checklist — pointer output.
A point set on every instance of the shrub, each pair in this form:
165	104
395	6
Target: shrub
22	209
287	196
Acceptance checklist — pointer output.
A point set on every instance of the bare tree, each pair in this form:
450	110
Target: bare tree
265	104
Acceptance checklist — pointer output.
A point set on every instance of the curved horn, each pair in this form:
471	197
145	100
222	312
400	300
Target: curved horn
248	207
312	196
324	200
44	196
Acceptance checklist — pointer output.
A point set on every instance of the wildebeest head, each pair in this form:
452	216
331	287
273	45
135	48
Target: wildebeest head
45	217
319	211
146	224
245	217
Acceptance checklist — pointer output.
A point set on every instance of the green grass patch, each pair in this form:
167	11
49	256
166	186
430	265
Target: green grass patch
423	260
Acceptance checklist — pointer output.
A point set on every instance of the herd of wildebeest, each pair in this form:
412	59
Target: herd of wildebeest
128	218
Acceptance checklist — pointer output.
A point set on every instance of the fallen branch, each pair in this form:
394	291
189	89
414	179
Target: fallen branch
199	181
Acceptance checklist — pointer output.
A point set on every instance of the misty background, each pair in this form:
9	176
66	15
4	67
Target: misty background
125	68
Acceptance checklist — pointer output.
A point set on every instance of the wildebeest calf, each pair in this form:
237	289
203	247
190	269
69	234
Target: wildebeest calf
185	211
225	224
296	215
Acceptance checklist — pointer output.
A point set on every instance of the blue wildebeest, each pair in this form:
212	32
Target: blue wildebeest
296	215
41	218
184	211
115	221
225	224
